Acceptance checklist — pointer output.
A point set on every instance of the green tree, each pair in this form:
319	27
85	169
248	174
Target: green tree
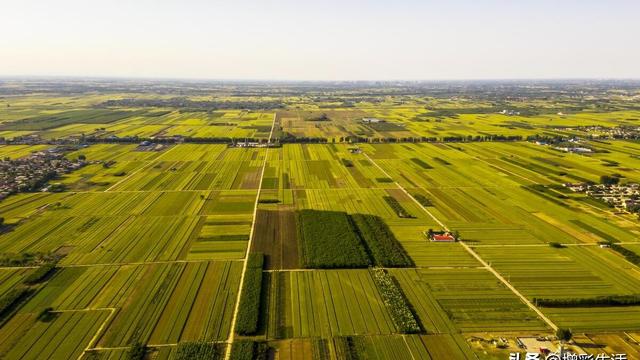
564	334
137	351
609	180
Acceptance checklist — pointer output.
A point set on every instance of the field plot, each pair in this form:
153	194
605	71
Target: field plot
544	272
65	336
469	300
156	304
496	204
386	347
325	303
277	238
197	167
18	151
321	167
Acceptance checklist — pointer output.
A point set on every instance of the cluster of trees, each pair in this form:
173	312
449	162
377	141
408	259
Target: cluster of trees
482	138
199	350
396	302
383	247
333	239
612	300
292	139
40	274
610	180
12	299
137	351
249	309
195	105
249	350
329	241
28	258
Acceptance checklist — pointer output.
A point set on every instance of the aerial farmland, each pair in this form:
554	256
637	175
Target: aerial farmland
318	221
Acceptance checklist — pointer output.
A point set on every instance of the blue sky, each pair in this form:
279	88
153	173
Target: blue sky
321	40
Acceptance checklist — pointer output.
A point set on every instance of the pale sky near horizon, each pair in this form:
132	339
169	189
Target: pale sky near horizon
321	40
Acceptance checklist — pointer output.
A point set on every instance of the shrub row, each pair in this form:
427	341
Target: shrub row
329	241
12	299
395	205
249	310
348	347
612	300
382	244
268	201
40	274
631	256
396	302
27	259
249	350
198	350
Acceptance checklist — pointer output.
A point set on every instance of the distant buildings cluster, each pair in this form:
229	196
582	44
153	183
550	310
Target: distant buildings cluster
572	145
31	173
624	197
618	132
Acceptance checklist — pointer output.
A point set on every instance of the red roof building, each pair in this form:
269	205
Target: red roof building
443	238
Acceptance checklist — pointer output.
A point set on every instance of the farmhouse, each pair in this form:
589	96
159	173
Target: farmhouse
372	120
440	236
443	238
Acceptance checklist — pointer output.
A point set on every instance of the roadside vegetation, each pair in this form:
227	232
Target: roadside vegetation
249	309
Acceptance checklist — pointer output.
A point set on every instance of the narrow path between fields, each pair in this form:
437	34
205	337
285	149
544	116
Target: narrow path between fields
102	327
470	251
234	319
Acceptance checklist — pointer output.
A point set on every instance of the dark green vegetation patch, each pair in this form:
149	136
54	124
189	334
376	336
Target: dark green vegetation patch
613	300
199	350
249	350
249	310
380	241
332	239
329	241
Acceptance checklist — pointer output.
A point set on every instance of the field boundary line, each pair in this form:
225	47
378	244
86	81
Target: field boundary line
234	318
140	169
404	337
98	333
474	254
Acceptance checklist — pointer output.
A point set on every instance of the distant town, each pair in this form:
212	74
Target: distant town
31	173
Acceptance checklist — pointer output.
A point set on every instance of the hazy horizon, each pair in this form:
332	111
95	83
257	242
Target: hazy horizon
249	40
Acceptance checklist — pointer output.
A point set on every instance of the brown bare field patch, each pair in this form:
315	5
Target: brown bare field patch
277	238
